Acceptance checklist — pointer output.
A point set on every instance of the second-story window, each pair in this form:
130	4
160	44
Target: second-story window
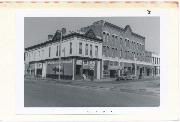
90	50
39	54
107	38
126	42
80	48
42	53
120	40
86	49
70	51
49	51
104	36
57	51
96	51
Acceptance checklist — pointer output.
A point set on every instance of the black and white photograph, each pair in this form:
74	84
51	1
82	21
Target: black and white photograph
92	61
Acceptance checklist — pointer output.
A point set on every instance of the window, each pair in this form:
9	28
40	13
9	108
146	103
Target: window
25	56
104	50
70	51
121	40
96	51
57	51
116	63
86	49
34	55
107	38
80	48
121	53
42	53
90	50
49	51
104	36
85	62
39	54
126	42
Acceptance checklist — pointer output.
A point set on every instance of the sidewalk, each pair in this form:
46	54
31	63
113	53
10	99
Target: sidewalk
88	80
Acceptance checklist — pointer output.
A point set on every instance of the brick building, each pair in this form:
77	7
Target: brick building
123	51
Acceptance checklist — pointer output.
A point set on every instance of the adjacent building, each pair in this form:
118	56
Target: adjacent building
103	47
123	51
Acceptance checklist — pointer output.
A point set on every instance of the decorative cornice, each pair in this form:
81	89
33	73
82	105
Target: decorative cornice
64	37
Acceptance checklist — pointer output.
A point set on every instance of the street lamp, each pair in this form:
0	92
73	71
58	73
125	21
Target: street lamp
62	31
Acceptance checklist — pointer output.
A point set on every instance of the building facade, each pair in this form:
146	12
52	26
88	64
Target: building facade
123	51
156	64
79	54
104	48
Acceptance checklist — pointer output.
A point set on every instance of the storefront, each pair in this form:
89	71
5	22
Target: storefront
30	71
86	68
65	66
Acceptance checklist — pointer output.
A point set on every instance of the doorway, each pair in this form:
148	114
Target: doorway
112	73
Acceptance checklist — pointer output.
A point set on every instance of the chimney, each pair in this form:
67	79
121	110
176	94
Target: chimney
50	37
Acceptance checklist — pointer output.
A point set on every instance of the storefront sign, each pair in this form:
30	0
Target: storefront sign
85	63
57	62
79	62
91	65
39	65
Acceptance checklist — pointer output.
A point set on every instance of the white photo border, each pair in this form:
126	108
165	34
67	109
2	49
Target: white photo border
77	12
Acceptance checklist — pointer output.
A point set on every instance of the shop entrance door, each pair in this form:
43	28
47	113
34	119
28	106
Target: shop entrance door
78	71
140	74
86	72
39	72
112	73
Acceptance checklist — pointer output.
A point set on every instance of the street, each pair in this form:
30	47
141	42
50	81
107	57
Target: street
51	93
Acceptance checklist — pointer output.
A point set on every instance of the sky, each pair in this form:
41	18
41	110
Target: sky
37	29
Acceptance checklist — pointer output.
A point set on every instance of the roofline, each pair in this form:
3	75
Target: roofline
123	29
64	37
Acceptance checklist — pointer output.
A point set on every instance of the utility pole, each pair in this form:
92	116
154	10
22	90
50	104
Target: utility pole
62	31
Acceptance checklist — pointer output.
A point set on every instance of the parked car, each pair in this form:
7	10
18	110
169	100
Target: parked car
126	77
130	77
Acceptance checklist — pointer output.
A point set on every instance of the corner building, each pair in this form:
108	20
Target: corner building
123	51
77	52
